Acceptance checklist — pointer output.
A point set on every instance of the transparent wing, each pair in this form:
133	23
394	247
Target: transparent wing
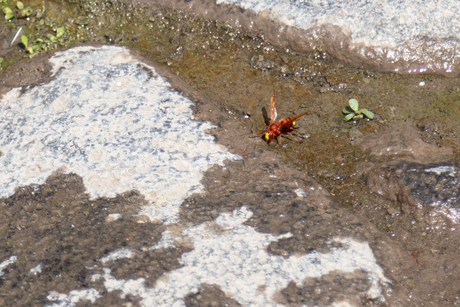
267	119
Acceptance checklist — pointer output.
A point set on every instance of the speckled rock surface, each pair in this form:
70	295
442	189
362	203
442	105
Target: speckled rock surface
112	120
114	194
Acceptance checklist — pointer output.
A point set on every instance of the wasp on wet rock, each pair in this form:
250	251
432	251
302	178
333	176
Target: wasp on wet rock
274	129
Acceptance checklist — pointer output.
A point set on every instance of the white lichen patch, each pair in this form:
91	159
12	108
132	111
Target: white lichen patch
236	259
112	120
37	269
7	262
63	300
450	170
113	217
118	254
301	193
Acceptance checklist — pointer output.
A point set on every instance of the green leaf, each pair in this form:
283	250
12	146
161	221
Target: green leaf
30	49
26	12
20	5
347	110
8	13
368	114
24	41
360	116
60	31
349	116
1	60
353	104
51	37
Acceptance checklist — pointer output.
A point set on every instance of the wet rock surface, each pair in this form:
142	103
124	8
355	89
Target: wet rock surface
403	139
429	190
421	186
259	225
209	295
321	291
419	198
283	200
57	233
403	36
253	229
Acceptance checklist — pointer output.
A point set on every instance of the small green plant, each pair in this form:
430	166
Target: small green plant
352	111
18	11
24	11
25	42
8	13
30	49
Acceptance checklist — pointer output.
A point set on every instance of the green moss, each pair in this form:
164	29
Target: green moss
447	104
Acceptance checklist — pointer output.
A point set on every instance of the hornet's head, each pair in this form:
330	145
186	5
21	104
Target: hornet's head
269	136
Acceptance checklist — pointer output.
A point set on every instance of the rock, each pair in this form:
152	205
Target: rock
430	191
403	139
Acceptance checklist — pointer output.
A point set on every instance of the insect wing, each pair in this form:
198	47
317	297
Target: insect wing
272	107
267	119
